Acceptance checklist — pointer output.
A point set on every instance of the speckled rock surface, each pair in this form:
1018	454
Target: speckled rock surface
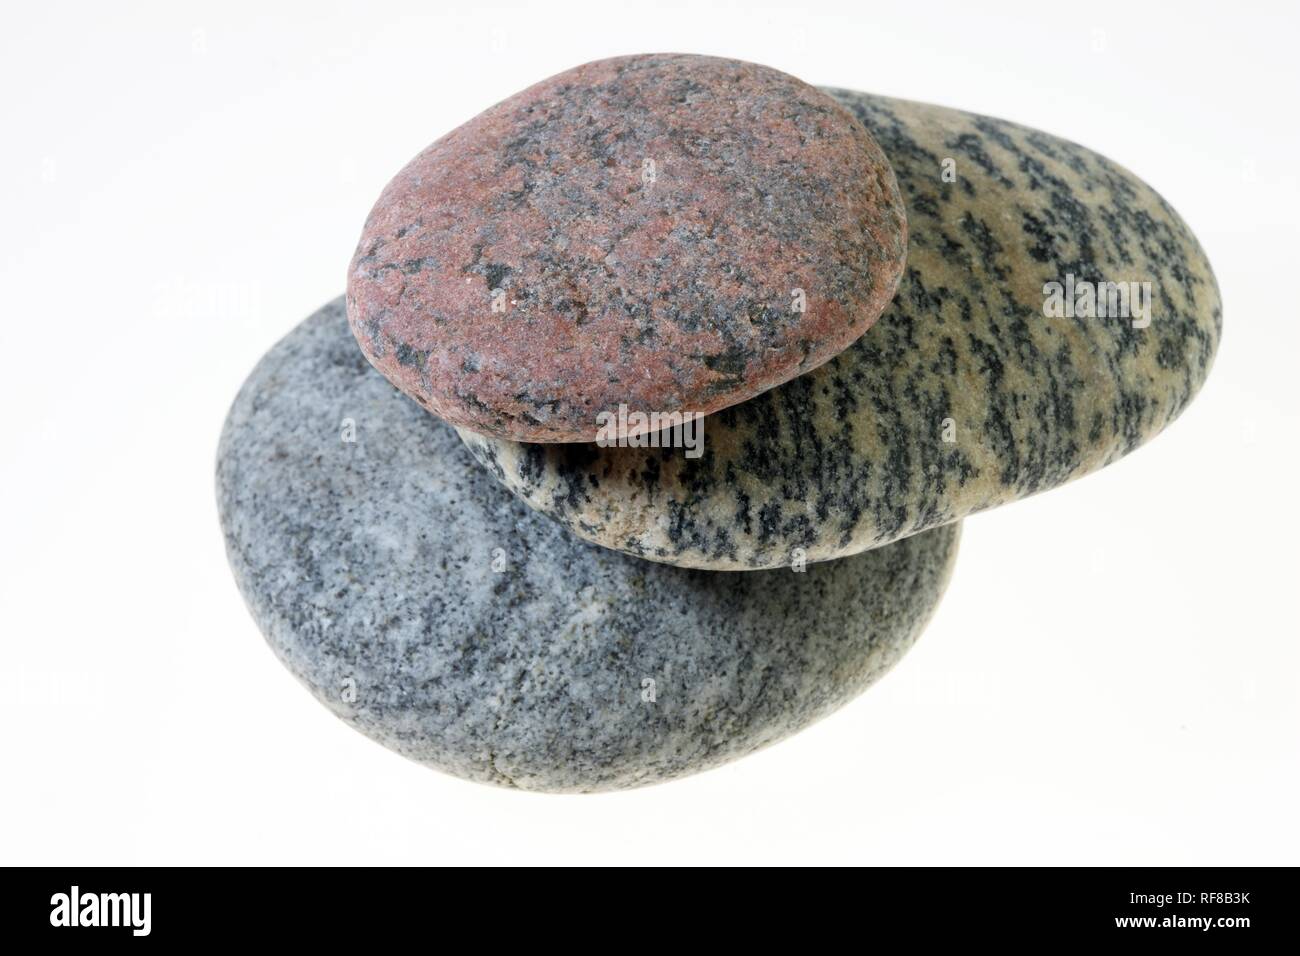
432	611
673	233
963	396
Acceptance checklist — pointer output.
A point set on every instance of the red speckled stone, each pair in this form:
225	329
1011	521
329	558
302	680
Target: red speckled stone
646	221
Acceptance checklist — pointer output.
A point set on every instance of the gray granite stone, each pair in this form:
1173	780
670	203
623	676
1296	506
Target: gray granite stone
963	396
433	612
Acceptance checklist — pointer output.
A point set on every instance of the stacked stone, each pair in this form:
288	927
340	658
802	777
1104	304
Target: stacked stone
889	315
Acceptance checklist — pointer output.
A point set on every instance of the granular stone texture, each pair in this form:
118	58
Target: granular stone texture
433	612
974	389
671	233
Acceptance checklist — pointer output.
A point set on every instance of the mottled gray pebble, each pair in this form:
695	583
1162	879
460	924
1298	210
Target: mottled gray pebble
433	612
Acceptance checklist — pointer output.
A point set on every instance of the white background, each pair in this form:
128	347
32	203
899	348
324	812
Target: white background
1112	678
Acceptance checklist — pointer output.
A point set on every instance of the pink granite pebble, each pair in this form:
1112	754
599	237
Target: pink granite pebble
665	232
